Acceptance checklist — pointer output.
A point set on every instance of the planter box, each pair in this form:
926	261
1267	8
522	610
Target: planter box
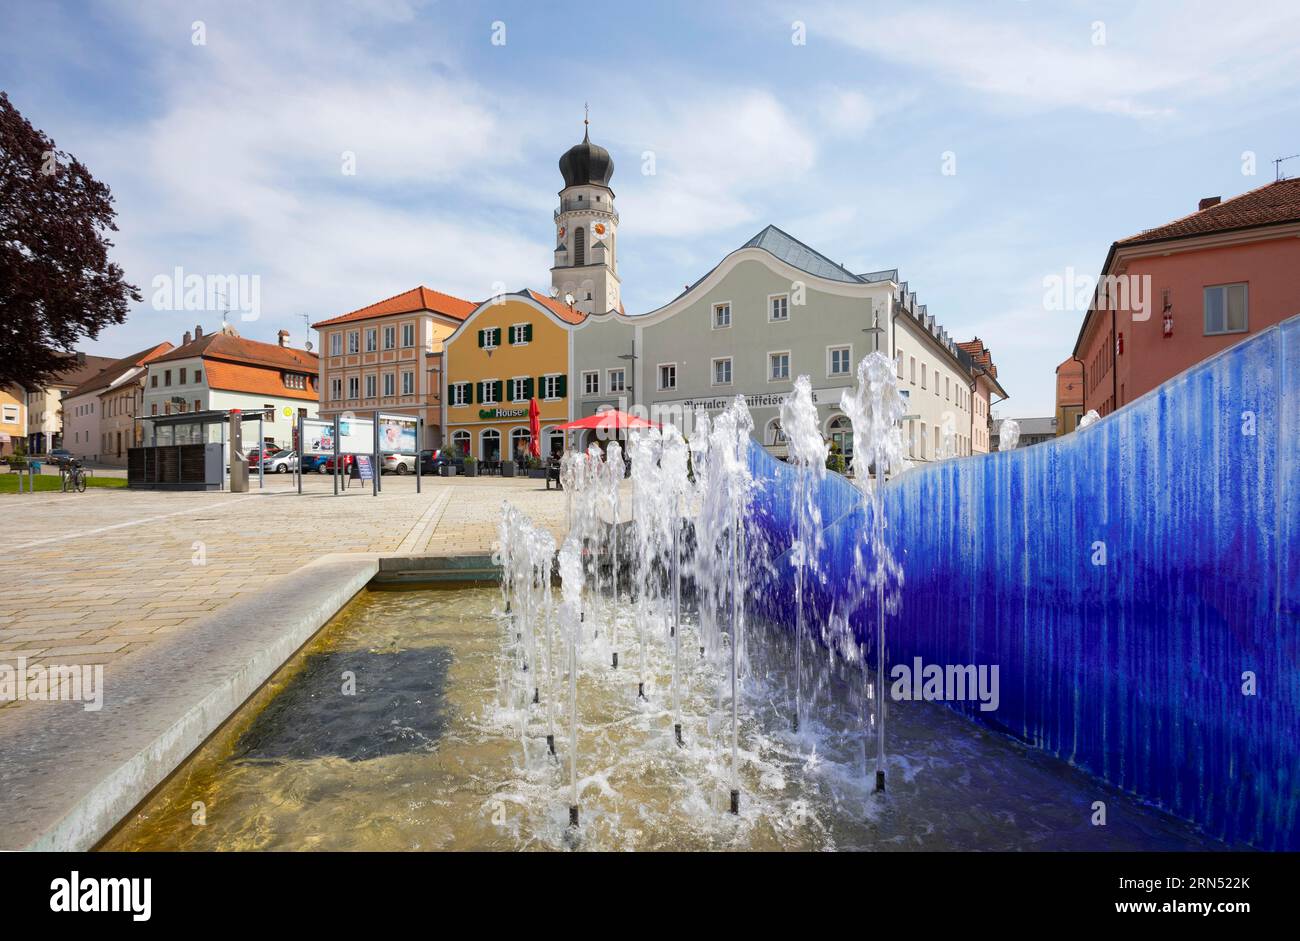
447	470
471	470
537	473
507	468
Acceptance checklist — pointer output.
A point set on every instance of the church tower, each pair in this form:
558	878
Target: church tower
586	228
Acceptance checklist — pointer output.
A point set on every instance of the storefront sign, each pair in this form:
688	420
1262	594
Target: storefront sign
487	414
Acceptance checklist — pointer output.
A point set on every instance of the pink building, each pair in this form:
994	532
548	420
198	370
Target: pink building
1171	296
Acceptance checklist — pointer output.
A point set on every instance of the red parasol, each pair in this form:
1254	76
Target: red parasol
534	429
609	420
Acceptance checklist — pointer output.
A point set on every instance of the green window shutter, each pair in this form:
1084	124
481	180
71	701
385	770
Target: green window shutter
481	341
561	386
478	392
528	333
529	388
498	389
510	389
496	336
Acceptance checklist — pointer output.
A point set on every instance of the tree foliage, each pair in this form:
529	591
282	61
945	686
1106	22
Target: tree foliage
57	285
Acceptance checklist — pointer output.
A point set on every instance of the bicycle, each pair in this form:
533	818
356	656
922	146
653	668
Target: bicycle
73	475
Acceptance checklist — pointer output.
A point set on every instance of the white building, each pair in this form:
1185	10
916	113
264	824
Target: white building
99	415
223	371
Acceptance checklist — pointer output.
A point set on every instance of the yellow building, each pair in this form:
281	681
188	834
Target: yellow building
13	420
510	350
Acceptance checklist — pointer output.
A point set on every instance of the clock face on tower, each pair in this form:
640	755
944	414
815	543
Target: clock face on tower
599	229
564	230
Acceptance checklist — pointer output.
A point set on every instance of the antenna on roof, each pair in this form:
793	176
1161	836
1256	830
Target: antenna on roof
1277	167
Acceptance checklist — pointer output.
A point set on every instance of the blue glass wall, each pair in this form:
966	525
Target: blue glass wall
1132	670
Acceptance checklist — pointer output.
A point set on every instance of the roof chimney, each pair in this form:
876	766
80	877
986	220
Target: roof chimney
188	338
198	331
284	337
1208	201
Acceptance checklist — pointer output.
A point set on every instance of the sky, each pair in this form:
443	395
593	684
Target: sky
981	148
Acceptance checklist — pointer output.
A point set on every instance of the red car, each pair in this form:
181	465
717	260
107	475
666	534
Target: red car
328	466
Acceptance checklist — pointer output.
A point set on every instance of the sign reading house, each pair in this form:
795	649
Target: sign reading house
486	414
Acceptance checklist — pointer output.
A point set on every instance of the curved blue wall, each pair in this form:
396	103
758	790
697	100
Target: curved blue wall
1132	670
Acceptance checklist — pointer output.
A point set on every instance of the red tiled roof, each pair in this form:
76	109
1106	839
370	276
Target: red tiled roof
982	355
257	380
418	298
88	369
254	352
1273	204
116	368
559	308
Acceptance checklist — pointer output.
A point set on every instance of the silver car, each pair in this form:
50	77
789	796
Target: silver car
281	462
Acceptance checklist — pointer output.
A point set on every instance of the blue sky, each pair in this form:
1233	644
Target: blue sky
226	158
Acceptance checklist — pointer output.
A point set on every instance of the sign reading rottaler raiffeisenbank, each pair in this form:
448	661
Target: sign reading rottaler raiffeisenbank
752	399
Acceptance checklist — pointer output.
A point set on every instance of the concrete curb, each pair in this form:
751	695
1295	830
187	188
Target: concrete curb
69	776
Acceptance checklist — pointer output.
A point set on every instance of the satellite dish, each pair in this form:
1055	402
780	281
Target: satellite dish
555	292
307	346
568	299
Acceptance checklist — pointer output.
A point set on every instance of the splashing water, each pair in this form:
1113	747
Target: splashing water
1008	434
876	410
808	452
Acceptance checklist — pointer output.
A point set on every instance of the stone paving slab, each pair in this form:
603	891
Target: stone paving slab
96	577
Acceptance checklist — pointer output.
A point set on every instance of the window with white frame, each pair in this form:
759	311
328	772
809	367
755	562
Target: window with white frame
551	386
336	389
390	337
923	375
336	343
372	340
778	307
722	371
370	386
408	383
459	392
617	380
778	366
667	376
11	414
1226	309
591	383
354	341
518	389
912	369
354	387
489	387
721	316
841	361
408	334
390	384
520	334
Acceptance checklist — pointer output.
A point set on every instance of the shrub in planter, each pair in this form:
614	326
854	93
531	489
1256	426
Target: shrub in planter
471	467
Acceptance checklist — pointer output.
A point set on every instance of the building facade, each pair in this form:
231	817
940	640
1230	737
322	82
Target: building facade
986	392
45	405
224	371
389	357
1174	295
99	414
508	351
771	311
1069	395
13	420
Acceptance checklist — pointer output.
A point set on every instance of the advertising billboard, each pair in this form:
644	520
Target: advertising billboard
397	434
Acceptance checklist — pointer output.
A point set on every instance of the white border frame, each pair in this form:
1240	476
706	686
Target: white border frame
789	365
772	297
713	371
839	375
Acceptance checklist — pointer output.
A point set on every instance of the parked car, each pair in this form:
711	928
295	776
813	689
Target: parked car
314	462
432	461
328	466
255	455
60	456
399	464
281	462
